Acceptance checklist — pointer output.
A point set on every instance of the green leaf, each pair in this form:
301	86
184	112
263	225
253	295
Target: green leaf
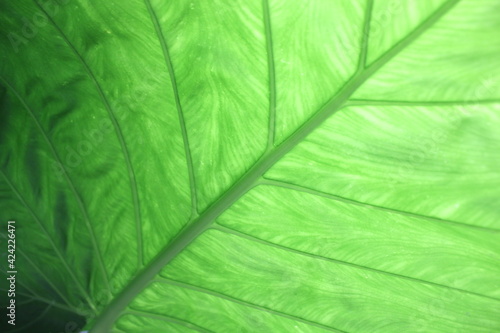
252	166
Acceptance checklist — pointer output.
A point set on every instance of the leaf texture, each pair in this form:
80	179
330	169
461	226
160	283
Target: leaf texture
252	166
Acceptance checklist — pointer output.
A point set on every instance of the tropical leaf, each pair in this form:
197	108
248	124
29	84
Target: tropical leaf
251	166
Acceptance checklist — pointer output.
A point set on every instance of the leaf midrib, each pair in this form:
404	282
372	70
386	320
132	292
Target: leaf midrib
249	179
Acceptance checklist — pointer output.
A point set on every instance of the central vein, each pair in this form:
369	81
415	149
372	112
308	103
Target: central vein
105	322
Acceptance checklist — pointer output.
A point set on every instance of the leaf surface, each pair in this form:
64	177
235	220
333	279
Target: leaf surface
253	166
